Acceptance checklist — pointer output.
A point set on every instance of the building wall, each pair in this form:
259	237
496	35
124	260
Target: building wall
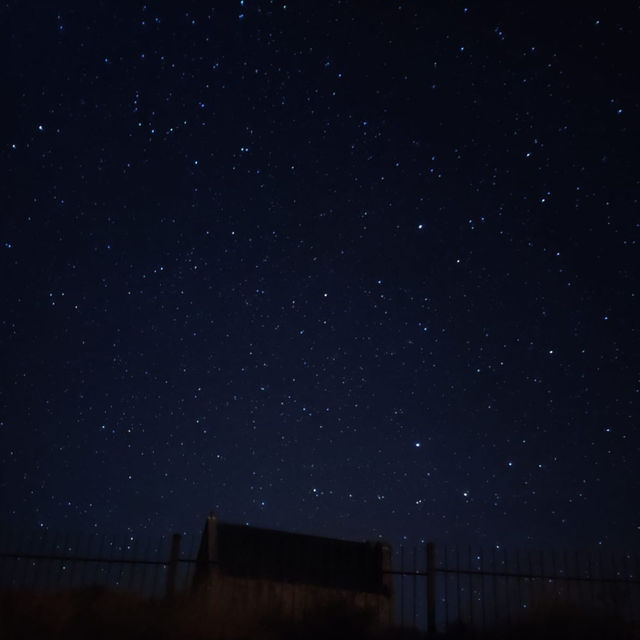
253	573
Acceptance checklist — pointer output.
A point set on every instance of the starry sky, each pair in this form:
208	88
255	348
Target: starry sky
356	268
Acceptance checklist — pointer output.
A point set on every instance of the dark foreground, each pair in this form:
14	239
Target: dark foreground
100	614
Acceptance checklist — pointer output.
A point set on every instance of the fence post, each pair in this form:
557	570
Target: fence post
387	581
174	555
431	588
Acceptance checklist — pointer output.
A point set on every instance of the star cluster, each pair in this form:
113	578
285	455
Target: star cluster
354	268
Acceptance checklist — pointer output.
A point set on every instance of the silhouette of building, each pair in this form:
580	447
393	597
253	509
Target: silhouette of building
253	572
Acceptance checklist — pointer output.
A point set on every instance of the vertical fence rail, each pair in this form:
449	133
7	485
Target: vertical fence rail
415	585
431	587
446	582
482	591
507	591
402	586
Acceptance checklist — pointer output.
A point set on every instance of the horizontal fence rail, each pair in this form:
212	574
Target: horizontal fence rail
435	588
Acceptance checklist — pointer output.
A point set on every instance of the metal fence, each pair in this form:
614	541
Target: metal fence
46	561
445	587
436	588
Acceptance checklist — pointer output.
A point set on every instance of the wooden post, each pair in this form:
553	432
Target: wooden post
172	566
431	588
387	584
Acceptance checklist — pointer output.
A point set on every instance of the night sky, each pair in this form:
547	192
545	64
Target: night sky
356	268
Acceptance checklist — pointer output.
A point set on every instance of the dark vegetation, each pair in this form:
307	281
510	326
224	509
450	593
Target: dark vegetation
97	613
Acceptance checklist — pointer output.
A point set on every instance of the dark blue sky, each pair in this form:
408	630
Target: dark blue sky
352	268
